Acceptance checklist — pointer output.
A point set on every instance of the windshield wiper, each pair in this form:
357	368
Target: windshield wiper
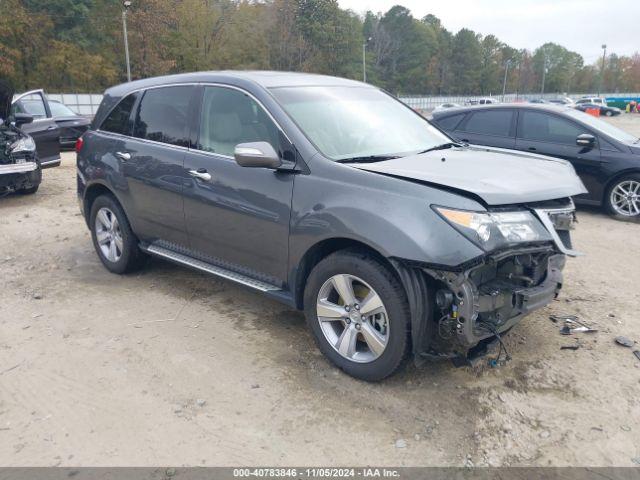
442	146
368	159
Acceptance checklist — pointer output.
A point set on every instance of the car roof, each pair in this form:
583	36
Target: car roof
499	106
262	78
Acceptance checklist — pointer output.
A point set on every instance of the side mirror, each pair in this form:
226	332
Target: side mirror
257	155
586	140
22	118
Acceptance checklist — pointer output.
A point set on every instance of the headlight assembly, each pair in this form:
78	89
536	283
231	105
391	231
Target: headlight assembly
492	230
25	144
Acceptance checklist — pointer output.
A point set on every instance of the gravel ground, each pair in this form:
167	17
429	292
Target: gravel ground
171	367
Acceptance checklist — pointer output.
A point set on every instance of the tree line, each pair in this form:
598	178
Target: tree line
77	45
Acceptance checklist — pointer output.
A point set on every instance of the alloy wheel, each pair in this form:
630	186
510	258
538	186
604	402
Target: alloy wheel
353	318
625	198
108	235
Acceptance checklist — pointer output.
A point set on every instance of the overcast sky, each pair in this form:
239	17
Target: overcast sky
580	25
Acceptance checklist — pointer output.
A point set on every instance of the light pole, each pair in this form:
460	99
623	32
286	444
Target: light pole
604	56
544	71
364	59
126	4
504	82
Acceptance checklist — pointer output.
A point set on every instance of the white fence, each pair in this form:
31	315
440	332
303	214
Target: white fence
82	103
87	103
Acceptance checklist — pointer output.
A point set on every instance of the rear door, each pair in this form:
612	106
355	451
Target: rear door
152	160
550	134
493	127
43	129
238	217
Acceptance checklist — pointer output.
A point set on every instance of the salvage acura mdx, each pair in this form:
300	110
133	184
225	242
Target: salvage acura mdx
19	165
335	198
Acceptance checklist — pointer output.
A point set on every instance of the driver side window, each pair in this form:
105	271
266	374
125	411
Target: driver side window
230	117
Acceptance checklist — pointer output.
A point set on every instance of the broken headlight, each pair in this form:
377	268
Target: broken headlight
493	230
25	144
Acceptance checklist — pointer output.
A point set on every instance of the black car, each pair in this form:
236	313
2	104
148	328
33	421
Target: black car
43	128
19	166
333	197
606	158
603	110
72	125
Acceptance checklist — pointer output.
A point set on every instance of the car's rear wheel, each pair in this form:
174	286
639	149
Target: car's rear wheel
113	239
359	315
623	197
608	113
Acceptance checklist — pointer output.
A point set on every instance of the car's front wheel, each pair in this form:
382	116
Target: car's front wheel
623	197
113	239
608	113
359	314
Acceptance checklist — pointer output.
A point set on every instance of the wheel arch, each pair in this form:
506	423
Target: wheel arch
92	192
324	248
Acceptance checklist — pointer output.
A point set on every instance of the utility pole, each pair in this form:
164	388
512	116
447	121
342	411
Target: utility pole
126	4
604	57
504	82
544	72
364	59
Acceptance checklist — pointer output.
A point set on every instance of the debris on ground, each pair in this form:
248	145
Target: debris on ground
624	341
637	354
401	443
570	347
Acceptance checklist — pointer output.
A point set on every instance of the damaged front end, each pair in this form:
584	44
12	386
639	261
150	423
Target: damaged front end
472	304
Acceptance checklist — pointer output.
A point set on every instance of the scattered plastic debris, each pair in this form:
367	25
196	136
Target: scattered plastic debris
570	347
624	341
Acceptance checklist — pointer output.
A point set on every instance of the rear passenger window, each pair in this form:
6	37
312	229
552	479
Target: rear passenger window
118	119
490	122
230	117
162	115
547	128
450	123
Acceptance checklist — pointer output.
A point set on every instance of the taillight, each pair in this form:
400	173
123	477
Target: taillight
79	144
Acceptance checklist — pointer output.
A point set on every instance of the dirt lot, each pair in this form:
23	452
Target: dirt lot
172	367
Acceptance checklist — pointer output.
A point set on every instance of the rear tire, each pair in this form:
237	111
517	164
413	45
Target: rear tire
608	113
381	340
113	239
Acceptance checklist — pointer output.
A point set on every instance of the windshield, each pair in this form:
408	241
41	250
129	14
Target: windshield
349	122
602	126
61	110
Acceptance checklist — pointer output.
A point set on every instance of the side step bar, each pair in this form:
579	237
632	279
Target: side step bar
209	268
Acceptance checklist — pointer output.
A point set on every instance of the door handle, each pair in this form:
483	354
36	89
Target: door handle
52	127
201	173
532	149
126	156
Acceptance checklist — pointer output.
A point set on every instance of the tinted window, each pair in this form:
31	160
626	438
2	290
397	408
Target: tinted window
230	117
451	122
34	106
162	115
548	128
490	122
118	119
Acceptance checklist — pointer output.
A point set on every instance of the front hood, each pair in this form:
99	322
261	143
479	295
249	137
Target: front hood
6	95
497	176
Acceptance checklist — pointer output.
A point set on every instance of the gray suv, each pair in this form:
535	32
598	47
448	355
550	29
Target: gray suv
335	198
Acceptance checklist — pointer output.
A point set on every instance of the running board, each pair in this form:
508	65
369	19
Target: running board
209	268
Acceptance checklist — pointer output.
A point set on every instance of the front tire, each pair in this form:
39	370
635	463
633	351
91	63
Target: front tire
608	113
622	199
113	239
359	315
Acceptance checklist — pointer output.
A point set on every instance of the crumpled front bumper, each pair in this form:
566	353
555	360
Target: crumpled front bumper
18	168
480	310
